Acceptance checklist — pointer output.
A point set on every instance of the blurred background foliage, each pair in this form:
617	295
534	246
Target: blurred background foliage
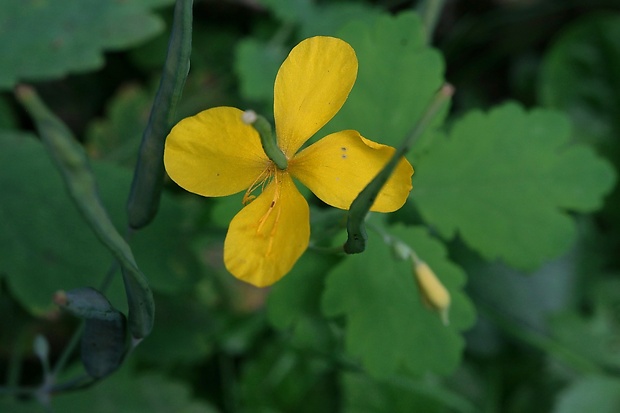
514	207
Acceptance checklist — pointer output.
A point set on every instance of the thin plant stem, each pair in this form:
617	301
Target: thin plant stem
430	10
75	338
357	237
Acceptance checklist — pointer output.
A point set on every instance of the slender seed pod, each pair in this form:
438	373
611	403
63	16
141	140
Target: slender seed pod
148	177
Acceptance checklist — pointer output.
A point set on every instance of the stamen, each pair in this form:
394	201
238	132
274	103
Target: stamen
276	196
260	181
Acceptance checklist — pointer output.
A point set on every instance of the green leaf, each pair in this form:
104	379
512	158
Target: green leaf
256	65
590	394
581	75
294	303
327	21
71	35
298	294
504	181
290	10
257	62
52	248
125	393
596	335
315	20
279	379
181	334
397	79
117	137
380	300
362	394
14	406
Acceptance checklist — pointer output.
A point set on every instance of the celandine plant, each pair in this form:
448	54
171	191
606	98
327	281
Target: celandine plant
373	323
217	153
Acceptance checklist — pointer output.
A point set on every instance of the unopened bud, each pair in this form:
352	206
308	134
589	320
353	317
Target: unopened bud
249	117
433	292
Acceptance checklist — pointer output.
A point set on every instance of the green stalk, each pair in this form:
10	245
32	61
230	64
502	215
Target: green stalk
148	177
72	162
267	139
357	237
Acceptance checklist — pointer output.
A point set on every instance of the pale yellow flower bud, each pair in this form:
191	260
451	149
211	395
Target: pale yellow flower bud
434	294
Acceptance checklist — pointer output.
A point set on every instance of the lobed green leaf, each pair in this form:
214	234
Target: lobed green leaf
380	301
398	76
70	35
51	247
504	181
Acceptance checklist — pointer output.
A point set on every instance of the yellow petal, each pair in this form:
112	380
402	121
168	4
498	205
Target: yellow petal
214	153
339	166
266	237
311	87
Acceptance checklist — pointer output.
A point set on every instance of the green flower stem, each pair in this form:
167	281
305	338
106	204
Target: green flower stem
148	177
72	162
267	138
430	10
357	237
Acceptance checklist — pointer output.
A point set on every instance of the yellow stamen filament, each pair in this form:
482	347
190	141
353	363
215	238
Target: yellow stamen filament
261	180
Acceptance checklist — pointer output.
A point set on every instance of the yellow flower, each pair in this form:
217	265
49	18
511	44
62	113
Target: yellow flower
214	153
